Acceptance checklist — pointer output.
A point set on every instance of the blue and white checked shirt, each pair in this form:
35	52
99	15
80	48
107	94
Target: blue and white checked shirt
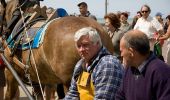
106	76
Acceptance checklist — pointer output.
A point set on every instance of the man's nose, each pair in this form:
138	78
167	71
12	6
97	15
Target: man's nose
81	48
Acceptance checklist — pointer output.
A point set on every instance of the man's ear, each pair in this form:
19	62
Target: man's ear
131	51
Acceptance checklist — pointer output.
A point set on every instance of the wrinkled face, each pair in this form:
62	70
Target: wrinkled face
86	48
108	24
83	9
126	53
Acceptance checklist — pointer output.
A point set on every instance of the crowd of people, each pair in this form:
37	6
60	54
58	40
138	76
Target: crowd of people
132	72
139	73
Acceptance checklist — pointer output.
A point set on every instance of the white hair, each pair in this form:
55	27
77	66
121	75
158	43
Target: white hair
93	34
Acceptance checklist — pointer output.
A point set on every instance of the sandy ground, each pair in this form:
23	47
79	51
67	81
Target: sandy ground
23	96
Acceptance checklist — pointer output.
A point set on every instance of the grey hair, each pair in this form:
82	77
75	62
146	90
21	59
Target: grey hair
139	42
149	9
93	34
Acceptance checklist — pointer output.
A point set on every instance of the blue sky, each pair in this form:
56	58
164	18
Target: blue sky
97	7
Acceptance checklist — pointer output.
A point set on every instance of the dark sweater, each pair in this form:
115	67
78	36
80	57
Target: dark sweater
152	84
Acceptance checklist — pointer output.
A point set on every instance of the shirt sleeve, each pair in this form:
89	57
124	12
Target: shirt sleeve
108	78
72	94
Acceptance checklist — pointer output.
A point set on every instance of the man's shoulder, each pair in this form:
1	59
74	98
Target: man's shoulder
78	65
158	64
93	17
110	61
159	68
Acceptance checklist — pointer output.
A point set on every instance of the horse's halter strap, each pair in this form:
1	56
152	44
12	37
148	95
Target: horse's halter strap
22	4
31	55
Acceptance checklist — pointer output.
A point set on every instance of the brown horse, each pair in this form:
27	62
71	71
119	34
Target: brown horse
56	56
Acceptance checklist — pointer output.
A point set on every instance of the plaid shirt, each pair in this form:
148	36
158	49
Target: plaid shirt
106	76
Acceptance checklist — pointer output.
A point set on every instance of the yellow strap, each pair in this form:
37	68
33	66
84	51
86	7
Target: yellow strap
85	86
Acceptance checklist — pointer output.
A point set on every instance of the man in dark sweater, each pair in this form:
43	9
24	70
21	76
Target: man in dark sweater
146	77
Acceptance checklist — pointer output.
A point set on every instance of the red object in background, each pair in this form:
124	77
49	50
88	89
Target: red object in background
160	41
2	65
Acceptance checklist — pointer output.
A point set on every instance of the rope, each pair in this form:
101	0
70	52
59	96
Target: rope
33	56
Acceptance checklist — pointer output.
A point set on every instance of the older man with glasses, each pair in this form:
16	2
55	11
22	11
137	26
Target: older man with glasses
148	25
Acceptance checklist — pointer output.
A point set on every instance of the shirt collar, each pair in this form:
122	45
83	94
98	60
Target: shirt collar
149	18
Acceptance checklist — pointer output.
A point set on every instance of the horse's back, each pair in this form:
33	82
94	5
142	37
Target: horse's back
59	46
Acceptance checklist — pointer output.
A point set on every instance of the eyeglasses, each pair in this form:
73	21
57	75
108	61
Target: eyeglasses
144	11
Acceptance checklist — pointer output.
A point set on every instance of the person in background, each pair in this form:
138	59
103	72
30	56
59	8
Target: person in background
49	11
83	8
139	15
98	74
112	24
125	26
146	77
148	25
166	36
27	9
159	18
167	23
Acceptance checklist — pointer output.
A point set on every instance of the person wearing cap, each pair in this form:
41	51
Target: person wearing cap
159	17
83	8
